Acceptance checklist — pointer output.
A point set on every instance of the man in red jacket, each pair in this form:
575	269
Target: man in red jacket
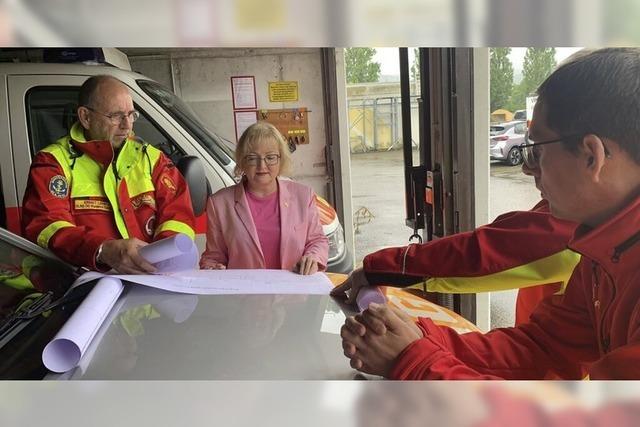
97	195
522	249
585	158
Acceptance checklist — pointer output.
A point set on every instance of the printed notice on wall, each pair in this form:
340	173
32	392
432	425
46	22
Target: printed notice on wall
244	119
283	91
243	89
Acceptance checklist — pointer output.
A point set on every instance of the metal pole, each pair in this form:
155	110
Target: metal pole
375	124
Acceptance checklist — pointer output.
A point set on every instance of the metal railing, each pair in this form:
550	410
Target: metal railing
375	124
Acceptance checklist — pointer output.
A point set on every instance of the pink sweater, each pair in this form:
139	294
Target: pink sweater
266	217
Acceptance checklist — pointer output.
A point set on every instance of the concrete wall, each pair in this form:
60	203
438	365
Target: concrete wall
201	77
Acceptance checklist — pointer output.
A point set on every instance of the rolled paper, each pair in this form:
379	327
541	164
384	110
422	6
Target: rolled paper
368	295
172	254
70	343
166	248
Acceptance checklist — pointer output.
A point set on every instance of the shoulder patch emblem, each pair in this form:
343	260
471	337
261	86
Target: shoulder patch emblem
168	182
59	187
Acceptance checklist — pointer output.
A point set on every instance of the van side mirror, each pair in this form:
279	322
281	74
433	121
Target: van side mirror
192	170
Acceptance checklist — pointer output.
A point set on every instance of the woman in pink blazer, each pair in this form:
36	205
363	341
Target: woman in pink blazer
264	221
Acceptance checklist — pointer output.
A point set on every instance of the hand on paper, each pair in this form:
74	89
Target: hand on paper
306	266
353	284
214	266
122	255
373	339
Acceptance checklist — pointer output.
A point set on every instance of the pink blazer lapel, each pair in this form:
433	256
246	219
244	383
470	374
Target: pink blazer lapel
284	197
244	213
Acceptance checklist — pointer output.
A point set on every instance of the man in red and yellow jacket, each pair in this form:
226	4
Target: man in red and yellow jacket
97	195
526	250
585	159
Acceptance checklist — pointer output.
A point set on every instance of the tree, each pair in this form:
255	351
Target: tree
360	66
501	72
538	64
517	101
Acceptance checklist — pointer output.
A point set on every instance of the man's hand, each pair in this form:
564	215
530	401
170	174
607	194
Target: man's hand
354	282
123	256
214	266
373	350
306	266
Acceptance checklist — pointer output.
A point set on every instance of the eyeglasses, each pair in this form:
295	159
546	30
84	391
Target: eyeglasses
531	150
269	159
117	118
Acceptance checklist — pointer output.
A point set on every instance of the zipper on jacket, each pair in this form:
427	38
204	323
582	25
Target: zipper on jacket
618	250
604	340
115	171
594	285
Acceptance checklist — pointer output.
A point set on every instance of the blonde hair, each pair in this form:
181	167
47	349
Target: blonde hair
257	134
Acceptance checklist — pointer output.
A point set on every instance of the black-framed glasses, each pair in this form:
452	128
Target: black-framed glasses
269	159
119	117
531	150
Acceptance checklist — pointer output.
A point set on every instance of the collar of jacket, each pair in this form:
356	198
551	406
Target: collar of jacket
100	151
615	240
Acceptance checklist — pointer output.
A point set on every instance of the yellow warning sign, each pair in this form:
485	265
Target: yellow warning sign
283	91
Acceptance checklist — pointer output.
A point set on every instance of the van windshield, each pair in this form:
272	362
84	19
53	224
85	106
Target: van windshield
183	114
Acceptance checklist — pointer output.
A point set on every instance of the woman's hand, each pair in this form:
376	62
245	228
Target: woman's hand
306	266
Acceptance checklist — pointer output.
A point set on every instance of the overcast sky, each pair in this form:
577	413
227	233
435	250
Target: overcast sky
389	63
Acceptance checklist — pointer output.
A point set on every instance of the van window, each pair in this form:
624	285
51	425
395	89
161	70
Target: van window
51	111
149	132
184	115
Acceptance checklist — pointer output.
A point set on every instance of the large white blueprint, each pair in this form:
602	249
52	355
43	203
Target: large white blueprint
221	282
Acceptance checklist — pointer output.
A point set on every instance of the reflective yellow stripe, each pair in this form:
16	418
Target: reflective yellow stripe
51	229
552	269
177	226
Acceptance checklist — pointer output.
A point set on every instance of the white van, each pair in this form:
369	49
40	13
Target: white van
40	100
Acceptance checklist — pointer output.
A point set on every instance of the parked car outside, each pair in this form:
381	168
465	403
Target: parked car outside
520	115
505	140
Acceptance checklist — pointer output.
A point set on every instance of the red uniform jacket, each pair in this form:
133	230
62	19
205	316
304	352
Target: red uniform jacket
72	215
596	323
522	249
